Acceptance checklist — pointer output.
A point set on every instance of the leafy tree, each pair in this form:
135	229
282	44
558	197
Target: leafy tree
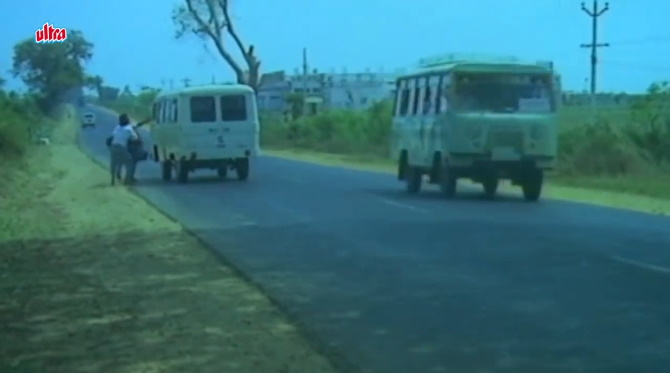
127	92
107	93
211	20
146	96
53	71
94	82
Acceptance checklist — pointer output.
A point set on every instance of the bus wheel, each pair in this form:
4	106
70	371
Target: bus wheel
413	179
448	182
532	185
490	185
166	168
222	171
242	168
402	165
182	171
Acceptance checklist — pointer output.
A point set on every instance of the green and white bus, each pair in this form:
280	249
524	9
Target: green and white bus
476	117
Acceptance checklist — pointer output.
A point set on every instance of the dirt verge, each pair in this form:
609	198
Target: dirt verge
93	279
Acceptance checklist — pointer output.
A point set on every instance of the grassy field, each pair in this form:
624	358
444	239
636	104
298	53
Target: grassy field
96	280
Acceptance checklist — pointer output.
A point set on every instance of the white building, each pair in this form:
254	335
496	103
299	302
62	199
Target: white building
353	91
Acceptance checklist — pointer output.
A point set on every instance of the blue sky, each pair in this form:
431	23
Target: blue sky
135	42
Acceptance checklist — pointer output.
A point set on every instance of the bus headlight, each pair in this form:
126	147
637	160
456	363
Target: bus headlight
536	132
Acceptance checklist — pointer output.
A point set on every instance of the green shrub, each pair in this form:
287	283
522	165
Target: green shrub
336	131
20	121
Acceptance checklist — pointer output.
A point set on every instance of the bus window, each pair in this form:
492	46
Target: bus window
438	93
396	98
404	102
441	101
415	99
203	109
505	93
427	105
162	110
233	108
174	111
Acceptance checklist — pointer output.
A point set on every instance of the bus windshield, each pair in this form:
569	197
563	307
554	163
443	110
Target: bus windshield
504	93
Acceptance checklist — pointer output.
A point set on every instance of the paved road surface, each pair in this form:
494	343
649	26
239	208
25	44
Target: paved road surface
395	284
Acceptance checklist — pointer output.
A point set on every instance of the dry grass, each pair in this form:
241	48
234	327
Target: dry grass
95	280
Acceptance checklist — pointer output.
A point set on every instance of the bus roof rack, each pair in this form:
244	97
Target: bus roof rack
452	58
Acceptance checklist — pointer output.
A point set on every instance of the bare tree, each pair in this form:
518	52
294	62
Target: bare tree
211	20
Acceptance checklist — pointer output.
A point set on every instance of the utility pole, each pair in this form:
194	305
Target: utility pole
594	13
304	80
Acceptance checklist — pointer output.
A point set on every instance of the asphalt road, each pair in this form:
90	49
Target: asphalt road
393	283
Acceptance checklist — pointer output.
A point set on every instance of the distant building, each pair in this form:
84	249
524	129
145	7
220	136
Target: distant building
359	90
273	89
353	91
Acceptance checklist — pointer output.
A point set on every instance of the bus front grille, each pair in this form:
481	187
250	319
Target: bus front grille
511	139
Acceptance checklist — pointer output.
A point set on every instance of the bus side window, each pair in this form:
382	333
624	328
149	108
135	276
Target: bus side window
415	99
159	112
168	111
154	112
441	101
396	98
404	100
438	96
175	110
426	107
163	109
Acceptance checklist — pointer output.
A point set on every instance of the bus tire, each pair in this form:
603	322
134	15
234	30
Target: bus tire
532	185
242	168
222	171
448	182
402	165
413	179
166	170
182	171
490	185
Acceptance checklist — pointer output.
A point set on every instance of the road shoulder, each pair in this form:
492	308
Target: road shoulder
95	279
581	195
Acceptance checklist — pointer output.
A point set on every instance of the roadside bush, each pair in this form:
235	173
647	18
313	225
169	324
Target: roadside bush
19	123
337	131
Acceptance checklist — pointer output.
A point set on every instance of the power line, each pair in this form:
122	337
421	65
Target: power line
647	40
635	66
594	13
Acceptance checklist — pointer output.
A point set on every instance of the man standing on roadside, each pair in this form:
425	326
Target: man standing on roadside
135	148
119	155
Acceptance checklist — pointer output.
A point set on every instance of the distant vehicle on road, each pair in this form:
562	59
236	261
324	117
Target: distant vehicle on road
477	117
214	127
88	120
